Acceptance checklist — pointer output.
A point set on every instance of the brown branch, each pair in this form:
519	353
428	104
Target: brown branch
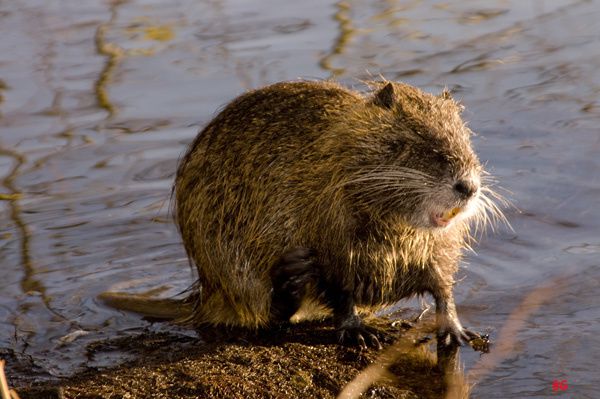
6	392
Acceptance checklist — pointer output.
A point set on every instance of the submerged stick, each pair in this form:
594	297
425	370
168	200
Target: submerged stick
7	393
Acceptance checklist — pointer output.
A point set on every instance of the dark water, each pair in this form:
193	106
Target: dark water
99	98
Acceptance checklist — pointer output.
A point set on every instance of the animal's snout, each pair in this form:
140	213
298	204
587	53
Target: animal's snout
466	188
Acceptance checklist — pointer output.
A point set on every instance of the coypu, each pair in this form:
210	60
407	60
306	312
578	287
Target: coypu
311	192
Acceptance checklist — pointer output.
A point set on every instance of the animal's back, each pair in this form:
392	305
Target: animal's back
245	181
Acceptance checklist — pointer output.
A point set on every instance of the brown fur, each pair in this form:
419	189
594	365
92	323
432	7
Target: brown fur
352	177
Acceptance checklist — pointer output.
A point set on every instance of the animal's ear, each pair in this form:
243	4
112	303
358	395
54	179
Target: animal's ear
385	97
445	94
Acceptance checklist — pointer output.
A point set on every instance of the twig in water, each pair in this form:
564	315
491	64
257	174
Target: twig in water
7	393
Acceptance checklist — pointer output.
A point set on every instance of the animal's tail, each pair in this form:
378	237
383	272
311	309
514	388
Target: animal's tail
166	309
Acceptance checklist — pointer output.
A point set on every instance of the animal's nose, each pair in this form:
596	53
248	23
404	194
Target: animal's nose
466	188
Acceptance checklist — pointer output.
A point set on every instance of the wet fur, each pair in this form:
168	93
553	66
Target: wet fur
313	189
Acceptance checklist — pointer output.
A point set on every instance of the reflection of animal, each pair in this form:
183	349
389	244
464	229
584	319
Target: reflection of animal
310	192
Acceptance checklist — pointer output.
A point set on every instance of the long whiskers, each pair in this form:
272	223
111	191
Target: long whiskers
390	187
488	213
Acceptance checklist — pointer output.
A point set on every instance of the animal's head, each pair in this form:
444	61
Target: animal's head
419	162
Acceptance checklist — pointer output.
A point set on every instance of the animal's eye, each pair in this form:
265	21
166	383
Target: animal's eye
440	158
396	146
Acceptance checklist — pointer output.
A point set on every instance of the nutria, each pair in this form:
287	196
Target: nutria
305	192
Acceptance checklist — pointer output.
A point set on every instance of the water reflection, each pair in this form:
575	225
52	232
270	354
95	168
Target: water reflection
112	53
346	31
28	284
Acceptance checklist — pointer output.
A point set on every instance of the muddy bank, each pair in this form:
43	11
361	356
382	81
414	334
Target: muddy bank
299	361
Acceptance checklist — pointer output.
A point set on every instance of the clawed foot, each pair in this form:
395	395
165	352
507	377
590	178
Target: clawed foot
451	332
358	333
457	335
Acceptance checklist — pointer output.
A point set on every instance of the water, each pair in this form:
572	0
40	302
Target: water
99	99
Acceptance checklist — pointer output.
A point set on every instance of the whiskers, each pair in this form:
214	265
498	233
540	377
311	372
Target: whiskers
388	188
488	207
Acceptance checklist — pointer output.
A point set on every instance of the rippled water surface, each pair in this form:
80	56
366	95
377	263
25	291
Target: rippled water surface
99	98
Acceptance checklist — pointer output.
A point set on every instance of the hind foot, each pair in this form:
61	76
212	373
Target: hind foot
291	276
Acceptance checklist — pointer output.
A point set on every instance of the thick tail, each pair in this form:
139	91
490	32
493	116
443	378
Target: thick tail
167	309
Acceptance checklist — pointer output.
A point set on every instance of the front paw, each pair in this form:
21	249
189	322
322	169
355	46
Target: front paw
451	332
